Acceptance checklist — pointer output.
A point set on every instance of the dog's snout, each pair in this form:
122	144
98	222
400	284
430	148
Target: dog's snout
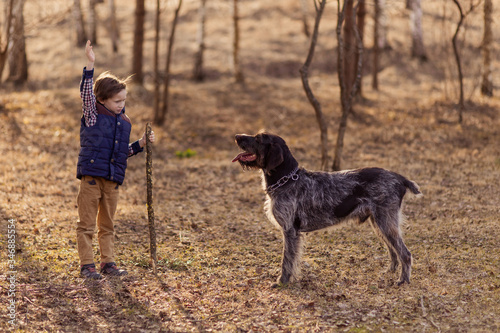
240	138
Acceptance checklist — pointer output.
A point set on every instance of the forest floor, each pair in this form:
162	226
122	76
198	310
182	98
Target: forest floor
218	254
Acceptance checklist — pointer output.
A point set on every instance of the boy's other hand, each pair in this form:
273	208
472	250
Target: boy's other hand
142	141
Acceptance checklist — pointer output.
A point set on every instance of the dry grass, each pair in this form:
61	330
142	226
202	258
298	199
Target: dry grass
218	253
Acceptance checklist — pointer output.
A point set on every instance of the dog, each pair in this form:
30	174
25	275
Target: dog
300	201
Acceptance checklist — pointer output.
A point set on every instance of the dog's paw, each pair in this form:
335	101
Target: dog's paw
279	285
401	282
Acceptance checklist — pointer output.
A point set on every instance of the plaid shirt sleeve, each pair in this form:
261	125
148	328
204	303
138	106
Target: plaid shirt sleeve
134	148
88	97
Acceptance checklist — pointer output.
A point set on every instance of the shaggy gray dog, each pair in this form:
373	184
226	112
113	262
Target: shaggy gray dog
300	201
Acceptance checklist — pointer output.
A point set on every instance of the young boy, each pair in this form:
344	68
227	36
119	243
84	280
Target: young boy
104	142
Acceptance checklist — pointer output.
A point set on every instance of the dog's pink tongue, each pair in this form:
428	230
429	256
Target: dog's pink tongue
237	158
243	157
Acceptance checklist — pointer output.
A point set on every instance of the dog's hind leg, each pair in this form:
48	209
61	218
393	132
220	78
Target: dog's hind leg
394	257
388	224
404	256
292	251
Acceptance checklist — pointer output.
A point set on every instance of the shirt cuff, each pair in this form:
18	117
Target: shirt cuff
88	73
136	147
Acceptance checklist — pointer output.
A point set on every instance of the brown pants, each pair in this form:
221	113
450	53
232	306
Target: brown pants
98	197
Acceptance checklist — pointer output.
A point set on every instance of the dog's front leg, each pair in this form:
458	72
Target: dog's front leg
292	250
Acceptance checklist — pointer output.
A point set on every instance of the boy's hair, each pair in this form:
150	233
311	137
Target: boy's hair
107	85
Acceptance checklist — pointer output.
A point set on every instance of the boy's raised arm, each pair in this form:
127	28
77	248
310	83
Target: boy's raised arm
90	56
86	91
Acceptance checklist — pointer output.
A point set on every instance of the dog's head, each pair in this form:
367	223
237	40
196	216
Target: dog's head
261	151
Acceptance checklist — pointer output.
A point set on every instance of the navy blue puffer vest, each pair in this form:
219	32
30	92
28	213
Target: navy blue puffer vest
104	146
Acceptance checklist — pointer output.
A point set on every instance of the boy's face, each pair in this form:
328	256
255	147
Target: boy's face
116	103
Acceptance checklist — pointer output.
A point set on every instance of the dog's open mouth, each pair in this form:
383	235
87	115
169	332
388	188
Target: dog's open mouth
245	157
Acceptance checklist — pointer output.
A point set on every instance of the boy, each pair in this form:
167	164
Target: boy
104	142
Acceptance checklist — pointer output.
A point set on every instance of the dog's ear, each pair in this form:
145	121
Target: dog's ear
274	157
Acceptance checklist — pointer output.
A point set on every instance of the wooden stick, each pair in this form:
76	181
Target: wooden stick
151	212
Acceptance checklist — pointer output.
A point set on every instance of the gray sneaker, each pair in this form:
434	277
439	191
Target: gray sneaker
110	268
89	272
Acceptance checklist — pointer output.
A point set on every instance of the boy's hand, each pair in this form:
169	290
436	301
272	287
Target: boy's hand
90	55
142	141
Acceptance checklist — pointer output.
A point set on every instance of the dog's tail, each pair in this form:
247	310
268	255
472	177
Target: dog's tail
413	187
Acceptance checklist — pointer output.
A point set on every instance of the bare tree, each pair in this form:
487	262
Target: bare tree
417	33
487	83
198	74
463	15
347	93
92	21
162	115
305	11
376	44
360	24
238	75
354	26
304	71
4	45
156	70
140	13
81	37
114	31
18	62
461	105
349	44
383	28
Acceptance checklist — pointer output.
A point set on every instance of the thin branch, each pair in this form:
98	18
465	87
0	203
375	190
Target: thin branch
312	99
164	108
461	104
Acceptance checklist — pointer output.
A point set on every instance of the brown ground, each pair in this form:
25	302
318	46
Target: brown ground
218	255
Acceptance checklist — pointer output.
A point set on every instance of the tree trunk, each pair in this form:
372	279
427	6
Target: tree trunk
114	31
348	44
156	70
376	44
312	99
93	22
487	83
198	74
305	11
140	13
18	63
347	7
383	28
360	24
417	34
164	109
238	75
81	37
461	105
347	93
4	45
